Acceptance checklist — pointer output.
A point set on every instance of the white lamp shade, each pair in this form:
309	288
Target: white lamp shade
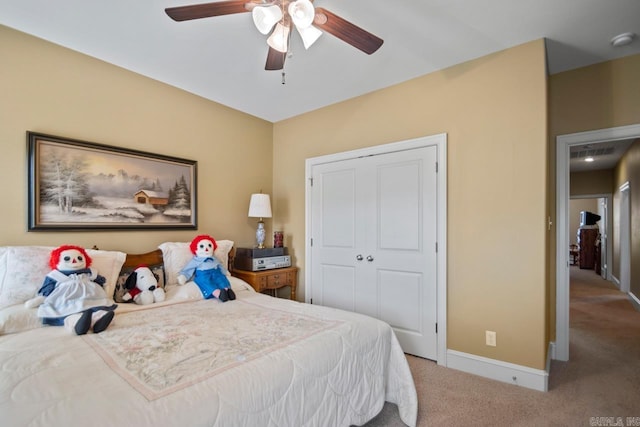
309	35
302	13
260	206
265	17
279	39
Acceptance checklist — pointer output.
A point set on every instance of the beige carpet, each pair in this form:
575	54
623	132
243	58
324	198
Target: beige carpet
602	378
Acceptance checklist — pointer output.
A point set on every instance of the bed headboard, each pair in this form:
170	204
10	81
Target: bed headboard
155	257
232	257
149	258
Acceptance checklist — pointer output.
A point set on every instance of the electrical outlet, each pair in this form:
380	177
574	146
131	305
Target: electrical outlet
490	338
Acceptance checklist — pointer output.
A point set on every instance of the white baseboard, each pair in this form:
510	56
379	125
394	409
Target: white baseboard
634	300
536	379
615	281
551	355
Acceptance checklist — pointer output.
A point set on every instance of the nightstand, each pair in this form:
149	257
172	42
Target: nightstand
270	279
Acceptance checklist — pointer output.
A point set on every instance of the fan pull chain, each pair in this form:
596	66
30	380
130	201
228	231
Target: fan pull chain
283	80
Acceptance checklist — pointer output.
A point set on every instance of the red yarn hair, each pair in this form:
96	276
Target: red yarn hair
194	243
54	259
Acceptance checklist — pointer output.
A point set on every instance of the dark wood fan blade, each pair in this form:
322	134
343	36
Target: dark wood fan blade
275	60
206	10
346	31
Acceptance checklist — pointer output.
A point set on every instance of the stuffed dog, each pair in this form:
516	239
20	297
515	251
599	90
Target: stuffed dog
143	287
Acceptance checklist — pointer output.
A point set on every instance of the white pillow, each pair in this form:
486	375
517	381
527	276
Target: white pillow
222	252
176	256
107	264
17	318
24	268
22	272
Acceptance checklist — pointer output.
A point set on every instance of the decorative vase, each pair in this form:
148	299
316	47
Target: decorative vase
260	234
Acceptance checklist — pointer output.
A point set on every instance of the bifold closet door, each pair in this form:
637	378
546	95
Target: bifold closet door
373	225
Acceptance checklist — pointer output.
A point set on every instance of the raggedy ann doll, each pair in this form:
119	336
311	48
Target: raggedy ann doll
72	293
206	270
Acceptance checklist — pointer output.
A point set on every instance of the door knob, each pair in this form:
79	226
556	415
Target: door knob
359	257
369	258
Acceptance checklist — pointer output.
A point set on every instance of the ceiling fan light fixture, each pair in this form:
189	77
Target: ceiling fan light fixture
276	18
309	35
265	17
279	39
302	13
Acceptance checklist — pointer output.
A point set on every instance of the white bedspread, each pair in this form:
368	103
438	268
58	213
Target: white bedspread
256	361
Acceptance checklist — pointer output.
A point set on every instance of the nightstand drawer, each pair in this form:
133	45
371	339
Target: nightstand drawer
270	279
259	283
278	280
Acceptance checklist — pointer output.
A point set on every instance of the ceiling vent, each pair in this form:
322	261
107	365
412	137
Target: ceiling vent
592	152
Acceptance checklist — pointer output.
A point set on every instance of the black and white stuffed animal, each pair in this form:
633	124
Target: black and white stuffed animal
143	287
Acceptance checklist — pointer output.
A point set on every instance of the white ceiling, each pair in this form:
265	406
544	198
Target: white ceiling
222	58
605	155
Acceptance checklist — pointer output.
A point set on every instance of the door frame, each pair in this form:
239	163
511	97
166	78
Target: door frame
608	227
606	255
440	142
563	144
624	281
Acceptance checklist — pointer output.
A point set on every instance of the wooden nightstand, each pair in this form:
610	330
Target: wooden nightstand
270	279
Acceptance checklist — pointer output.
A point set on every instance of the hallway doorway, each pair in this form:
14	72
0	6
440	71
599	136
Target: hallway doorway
563	144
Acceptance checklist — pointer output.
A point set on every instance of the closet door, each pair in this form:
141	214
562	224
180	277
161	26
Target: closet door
373	225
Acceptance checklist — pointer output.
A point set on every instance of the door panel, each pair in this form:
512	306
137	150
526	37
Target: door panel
338	208
376	217
399	202
406	205
334	236
338	287
400	289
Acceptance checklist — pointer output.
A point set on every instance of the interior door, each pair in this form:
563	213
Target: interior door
373	226
604	238
625	239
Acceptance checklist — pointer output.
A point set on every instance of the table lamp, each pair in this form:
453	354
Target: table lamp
260	207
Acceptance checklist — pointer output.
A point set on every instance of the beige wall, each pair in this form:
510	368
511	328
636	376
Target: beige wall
493	109
628	170
49	89
494	112
589	183
600	96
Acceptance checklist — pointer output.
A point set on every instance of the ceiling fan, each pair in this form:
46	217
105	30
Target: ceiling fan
277	17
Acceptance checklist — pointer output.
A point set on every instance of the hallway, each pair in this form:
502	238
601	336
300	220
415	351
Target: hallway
604	353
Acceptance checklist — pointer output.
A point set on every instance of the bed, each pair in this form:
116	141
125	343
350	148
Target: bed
255	361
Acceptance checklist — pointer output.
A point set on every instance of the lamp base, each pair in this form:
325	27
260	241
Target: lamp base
260	234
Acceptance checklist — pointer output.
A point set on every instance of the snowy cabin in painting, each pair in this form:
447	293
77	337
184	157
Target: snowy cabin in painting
151	197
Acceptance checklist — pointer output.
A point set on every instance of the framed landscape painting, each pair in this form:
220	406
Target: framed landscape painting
79	185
